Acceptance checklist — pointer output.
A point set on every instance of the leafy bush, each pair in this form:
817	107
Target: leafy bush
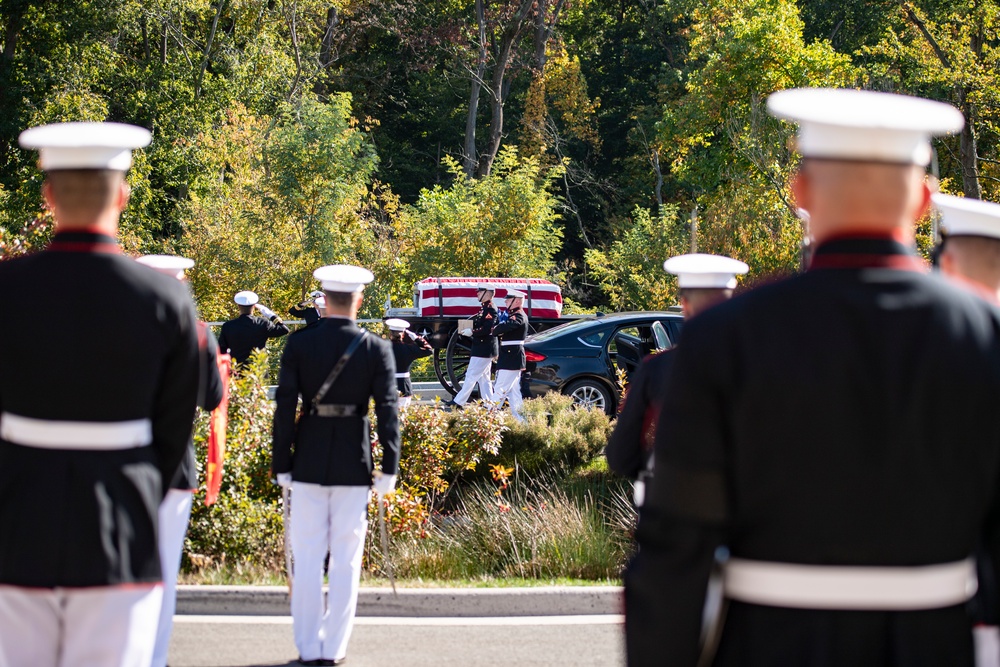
555	437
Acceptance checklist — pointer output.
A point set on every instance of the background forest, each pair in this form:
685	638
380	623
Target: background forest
569	139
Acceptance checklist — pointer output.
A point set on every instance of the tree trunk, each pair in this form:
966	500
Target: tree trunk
967	151
208	48
500	86
326	56
469	155
544	27
10	35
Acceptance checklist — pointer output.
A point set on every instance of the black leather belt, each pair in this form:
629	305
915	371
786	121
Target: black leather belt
334	410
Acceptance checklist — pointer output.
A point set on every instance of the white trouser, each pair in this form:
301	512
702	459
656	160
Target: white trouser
175	510
477	372
508	385
334	518
103	626
404	402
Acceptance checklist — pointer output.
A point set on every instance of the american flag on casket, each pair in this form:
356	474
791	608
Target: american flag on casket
456	297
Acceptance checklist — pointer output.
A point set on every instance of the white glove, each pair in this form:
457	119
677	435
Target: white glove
467	331
384	484
412	335
284	479
265	311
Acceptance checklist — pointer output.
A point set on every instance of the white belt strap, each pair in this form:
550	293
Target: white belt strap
50	434
512	342
850	588
403	375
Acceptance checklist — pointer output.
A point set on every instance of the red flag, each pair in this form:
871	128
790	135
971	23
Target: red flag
217	435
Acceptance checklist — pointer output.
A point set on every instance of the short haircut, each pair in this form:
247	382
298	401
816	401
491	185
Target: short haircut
245	310
85	192
701	298
339	299
976	257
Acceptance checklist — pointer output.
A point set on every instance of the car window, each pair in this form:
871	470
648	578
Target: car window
660	336
593	338
632	332
562	329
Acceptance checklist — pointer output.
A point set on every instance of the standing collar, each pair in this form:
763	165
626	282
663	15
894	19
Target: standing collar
87	240
865	252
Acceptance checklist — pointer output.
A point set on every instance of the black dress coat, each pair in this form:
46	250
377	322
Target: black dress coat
210	391
405	352
125	348
484	343
334	451
511	357
241	336
846	416
630	446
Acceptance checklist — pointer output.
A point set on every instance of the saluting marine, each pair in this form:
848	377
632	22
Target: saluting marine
703	281
483	350
325	456
175	510
248	332
407	347
836	432
311	309
511	334
94	420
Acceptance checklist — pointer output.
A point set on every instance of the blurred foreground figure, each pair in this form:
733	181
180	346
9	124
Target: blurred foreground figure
175	510
95	418
836	432
325	456
703	281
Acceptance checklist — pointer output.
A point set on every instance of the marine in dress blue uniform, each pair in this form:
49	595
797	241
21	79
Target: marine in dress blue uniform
94	418
310	309
248	332
835	431
407	347
703	281
325	455
511	334
483	350
175	510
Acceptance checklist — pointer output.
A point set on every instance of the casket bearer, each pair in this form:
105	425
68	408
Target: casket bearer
483	350
175	510
95	419
511	334
837	432
326	457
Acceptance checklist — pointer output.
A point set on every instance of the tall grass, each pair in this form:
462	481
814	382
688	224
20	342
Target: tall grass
528	531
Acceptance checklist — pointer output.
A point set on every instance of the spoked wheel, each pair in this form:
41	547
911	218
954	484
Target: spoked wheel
590	394
457	355
441	369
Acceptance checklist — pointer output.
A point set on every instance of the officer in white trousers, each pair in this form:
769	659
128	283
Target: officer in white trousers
90	439
483	350
326	458
175	510
510	363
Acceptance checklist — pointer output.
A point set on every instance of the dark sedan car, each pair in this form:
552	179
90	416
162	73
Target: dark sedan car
580	358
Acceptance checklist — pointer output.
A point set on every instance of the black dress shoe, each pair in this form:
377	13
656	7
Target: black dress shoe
453	405
318	662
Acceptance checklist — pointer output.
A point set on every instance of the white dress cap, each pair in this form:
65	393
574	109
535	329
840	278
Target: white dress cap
705	271
85	145
844	124
316	293
246	298
968	217
486	286
171	265
343	278
396	324
515	294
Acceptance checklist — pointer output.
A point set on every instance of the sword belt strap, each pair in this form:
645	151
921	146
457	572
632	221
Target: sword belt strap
850	587
400	376
335	410
335	373
57	434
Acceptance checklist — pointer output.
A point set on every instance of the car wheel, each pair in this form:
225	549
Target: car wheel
590	394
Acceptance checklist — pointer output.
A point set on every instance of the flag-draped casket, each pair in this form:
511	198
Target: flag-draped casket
456	297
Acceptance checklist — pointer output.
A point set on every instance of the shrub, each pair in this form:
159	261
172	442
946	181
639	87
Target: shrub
555	437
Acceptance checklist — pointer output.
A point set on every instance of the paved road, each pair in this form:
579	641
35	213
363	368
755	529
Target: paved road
542	641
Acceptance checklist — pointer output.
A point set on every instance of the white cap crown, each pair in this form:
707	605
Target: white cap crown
845	124
85	145
343	278
397	324
171	265
968	217
515	294
246	298
705	271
